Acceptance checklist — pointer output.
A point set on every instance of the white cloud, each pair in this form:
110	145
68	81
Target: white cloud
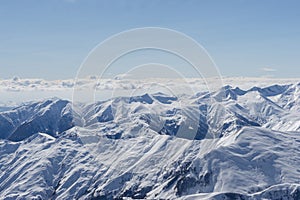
29	89
122	76
268	69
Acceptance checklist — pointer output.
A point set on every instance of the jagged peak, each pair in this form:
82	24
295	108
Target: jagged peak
272	90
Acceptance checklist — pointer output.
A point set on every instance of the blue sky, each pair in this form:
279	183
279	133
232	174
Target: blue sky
50	39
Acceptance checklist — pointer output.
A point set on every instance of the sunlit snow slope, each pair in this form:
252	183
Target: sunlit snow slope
230	144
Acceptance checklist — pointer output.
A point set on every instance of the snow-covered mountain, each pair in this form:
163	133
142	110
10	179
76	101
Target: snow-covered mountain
51	116
229	144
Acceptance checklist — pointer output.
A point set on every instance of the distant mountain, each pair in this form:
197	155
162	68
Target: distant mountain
229	144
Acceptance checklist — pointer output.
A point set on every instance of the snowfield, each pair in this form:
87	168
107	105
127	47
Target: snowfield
232	143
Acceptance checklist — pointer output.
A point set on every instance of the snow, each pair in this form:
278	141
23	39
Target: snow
22	90
244	144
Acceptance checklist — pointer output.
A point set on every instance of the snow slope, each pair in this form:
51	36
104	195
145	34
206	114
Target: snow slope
229	144
51	116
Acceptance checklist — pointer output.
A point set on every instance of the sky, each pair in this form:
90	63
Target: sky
50	39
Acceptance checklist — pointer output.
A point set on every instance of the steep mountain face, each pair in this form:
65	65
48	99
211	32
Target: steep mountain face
51	116
230	144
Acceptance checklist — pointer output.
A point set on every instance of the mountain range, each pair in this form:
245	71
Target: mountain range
227	144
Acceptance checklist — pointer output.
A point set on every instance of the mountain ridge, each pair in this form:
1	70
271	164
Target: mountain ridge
241	144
